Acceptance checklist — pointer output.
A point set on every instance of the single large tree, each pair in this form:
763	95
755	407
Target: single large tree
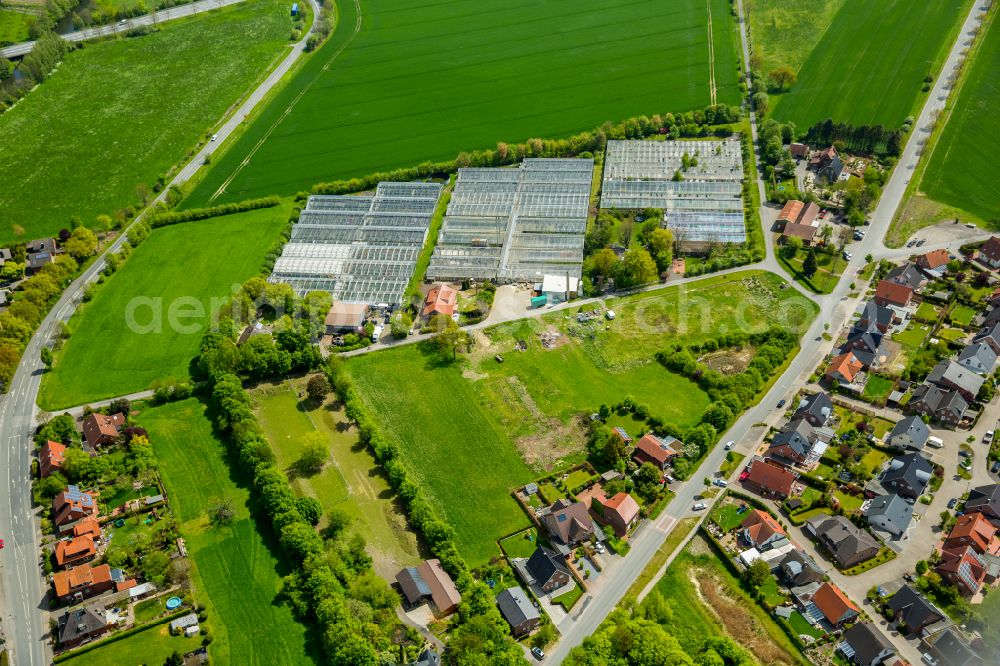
451	338
782	77
809	266
315	452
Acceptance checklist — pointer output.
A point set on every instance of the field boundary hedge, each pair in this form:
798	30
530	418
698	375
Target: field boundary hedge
177	217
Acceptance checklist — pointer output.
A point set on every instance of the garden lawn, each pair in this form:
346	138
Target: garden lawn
412	81
927	313
848	502
874	460
568	600
177	266
951	334
450	441
777	27
849	77
963	170
878	388
349	481
801	626
770	593
519	545
151	646
124	112
235	571
727	517
962	315
830	268
912	336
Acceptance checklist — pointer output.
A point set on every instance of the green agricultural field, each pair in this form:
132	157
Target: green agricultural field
348	481
14	26
151	646
195	262
962	171
869	65
406	82
117	115
235	571
778	26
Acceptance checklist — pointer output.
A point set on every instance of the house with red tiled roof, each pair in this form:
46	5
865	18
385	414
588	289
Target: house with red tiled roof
891	293
100	429
658	451
768	480
933	260
799	220
88	527
973	529
50	457
73	505
760	529
82	582
620	511
74	551
441	299
834	605
844	368
964	568
989	253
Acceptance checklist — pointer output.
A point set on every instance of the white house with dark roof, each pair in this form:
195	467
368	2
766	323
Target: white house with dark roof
889	513
978	357
910	433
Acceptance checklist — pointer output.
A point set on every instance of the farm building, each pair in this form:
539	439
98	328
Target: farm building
515	225
361	249
697	184
429	581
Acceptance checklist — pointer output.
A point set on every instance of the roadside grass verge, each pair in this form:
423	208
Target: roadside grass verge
178	269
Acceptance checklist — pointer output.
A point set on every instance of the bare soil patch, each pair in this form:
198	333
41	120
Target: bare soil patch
729	361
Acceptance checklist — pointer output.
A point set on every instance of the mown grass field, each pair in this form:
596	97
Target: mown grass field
963	171
425	80
348	481
116	115
778	27
479	420
195	262
706	600
235	571
869	65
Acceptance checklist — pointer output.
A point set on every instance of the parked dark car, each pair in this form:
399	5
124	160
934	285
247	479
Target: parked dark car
952	502
781	403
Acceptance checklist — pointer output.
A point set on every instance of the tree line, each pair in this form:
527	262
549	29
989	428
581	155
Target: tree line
162	219
48	52
867	139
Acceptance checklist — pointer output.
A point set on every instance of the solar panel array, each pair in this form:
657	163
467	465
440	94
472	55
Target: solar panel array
361	249
706	205
515	225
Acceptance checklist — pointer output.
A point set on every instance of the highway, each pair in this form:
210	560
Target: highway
22	587
121	27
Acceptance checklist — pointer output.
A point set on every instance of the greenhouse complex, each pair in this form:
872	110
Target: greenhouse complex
361	249
517	224
697	184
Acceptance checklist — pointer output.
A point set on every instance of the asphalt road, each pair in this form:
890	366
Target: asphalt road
22	593
23	48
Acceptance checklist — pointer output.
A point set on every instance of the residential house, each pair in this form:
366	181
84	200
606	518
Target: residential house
889	293
844	368
799	220
865	645
760	529
620	511
836	608
73	505
985	500
519	611
976	530
82	582
429	657
796	444
934	262
80	625
989	334
50	458
964	568
88	527
989	253
847	543
769	480
346	318
546	569
441	300
75	550
828	164
877	317
658	451
798	150
799	569
911	610
890	513
815	408
909	433
951	648
39	253
945	406
568	524
429	581
950	375
864	343
908	475
978	357
100	429
907	275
